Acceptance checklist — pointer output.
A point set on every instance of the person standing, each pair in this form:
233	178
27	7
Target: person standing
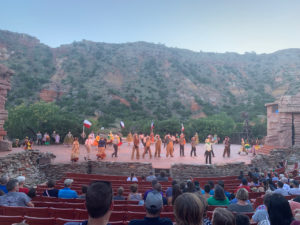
243	149
53	135
88	144
101	148
193	144
227	147
129	138
39	138
157	146
135	148
147	147
57	139
116	146
75	150
169	143
208	150
68	140
181	144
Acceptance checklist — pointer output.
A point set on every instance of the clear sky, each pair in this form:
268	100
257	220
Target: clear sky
262	26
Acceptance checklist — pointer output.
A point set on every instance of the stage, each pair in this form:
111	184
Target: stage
63	154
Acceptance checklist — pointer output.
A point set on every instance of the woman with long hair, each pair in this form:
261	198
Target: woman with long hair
175	193
219	197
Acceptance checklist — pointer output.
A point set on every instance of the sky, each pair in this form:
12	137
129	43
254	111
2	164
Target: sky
262	26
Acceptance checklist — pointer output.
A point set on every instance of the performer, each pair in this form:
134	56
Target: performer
53	135
135	148
242	149
39	138
211	143
152	137
96	140
193	144
256	147
27	144
147	147
208	150
48	139
101	148
227	147
181	144
170	146
196	138
75	150
68	140
129	138
57	139
115	143
88	144
157	146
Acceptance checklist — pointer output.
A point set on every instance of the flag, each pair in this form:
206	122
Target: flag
87	123
152	125
182	127
122	124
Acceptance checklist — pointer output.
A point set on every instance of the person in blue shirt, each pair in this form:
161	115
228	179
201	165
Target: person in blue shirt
67	192
3	182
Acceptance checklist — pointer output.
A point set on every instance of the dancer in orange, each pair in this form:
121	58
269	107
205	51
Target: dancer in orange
181	144
135	148
101	148
170	146
129	138
147	147
88	144
75	150
157	146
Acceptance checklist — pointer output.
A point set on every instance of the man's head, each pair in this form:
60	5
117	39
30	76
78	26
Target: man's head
154	203
174	182
51	183
207	188
280	184
120	191
295	183
151	173
99	199
157	187
244	181
4	180
153	182
21	180
68	182
12	185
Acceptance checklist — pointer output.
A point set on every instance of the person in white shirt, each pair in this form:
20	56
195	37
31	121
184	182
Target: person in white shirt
295	190
286	187
280	189
132	178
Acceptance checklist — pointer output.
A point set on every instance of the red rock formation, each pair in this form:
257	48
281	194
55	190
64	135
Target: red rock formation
50	95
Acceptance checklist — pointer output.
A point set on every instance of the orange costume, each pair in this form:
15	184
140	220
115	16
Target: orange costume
135	148
147	147
96	140
75	151
170	146
101	149
157	146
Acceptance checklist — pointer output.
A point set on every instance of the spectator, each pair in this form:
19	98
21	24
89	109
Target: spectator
241	219
261	212
212	186
13	197
175	193
279	211
170	189
206	220
153	205
21	180
98	204
219	197
280	189
182	186
244	184
120	194
197	185
154	182
3	182
67	193
241	176
207	191
157	187
132	178
51	191
83	191
190	187
295	190
221	183
133	195
271	185
188	210
222	216
255	182
162	177
151	177
242	205
285	182
275	178
31	193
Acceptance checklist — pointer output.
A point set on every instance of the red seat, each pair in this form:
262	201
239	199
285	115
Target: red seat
129	202
71	205
13	211
117	223
81	214
169	215
62	213
212	207
39	221
209	214
117	216
37	212
135	215
136	208
61	221
120	208
168	208
9	220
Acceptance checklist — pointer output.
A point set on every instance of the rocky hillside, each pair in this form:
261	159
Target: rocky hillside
143	80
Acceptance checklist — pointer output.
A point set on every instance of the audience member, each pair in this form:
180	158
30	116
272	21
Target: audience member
280	189
222	216
175	193
153	205
188	210
133	195
151	177
212	185
13	197
219	197
242	205
207	191
98	203
67	192
51	191
261	212
190	187
3	182
285	182
170	189
162	176
83	191
132	178
157	187
241	176
154	182
221	183
244	184
31	193
21	180
275	178
206	220
119	195
241	219
197	185
295	190
182	186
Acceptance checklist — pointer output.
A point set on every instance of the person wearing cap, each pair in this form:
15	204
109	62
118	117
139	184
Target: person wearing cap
21	180
153	206
13	197
295	190
67	192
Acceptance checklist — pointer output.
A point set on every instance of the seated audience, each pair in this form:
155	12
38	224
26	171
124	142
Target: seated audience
212	186
295	190
162	177
119	196
279	211
182	186
295	205
98	204
21	180
3	182
197	185
51	191
31	193
190	187
207	191
275	178
151	177
132	178
67	192
241	176
175	193
280	189
153	205
83	191
206	220
13	197
188	210
242	205
241	219
133	195
157	187
219	197
169	189
244	184
154	182
254	182
221	183
261	212
222	216
285	182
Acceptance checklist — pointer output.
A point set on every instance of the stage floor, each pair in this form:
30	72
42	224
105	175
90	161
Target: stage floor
63	154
